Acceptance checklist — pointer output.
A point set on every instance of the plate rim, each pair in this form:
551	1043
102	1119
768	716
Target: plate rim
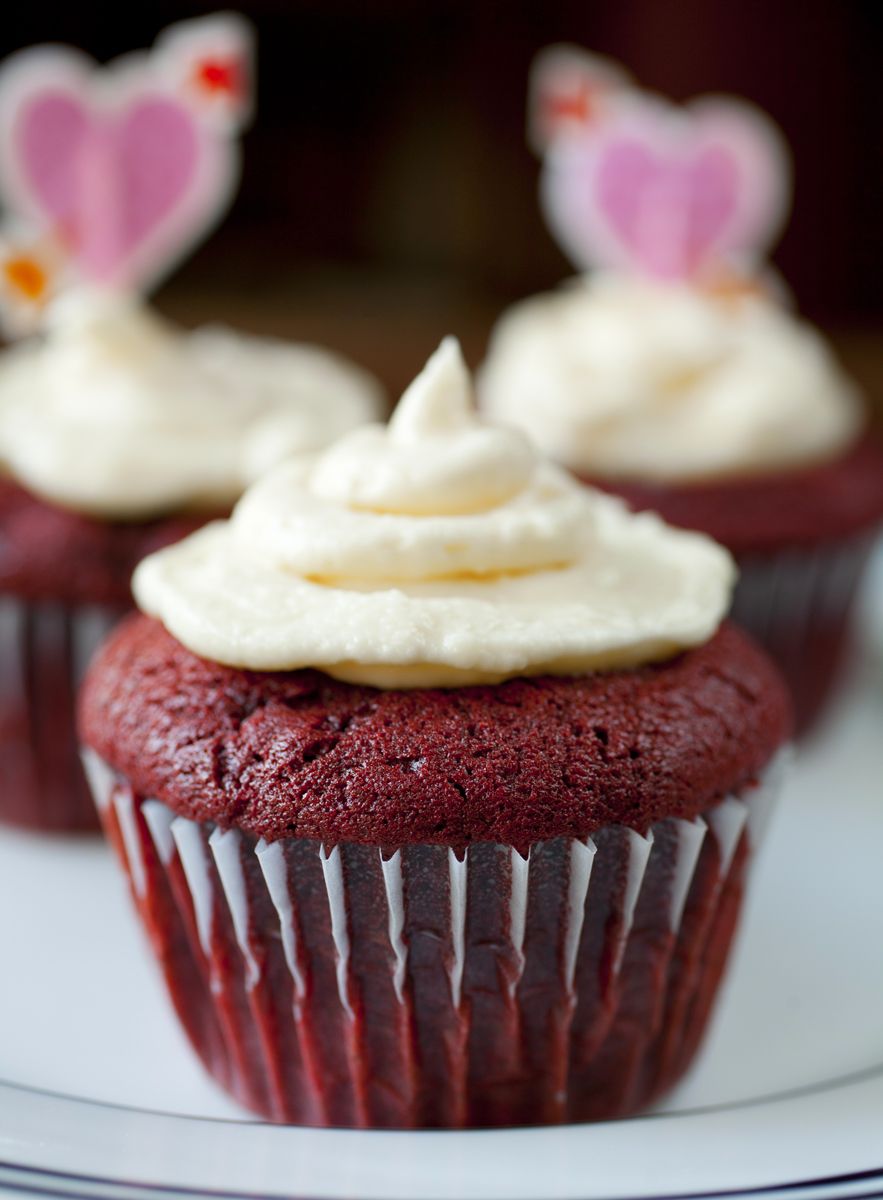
115	1179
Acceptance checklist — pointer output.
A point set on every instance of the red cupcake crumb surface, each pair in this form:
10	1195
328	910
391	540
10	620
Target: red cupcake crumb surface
282	754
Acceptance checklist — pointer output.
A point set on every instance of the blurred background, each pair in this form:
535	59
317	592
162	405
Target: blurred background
389	197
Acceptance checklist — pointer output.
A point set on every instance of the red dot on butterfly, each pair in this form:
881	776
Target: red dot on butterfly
220	75
571	106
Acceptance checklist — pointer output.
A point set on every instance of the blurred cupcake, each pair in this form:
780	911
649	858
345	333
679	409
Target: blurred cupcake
675	375
436	780
119	433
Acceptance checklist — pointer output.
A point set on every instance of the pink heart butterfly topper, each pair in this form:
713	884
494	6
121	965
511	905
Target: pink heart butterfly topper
114	161
669	193
568	91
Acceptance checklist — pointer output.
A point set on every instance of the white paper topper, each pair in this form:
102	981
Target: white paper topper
210	62
129	165
569	90
33	269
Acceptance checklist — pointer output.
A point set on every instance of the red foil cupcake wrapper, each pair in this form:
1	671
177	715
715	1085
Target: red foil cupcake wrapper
44	651
355	986
798	604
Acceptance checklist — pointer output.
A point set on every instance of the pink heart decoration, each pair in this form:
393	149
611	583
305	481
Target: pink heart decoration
668	193
124	172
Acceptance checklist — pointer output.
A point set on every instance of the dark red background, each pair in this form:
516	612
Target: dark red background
389	196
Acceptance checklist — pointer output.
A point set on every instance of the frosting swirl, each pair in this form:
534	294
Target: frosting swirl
628	378
119	414
437	551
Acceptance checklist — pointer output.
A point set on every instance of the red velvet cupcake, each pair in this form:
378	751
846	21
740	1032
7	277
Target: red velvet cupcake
436	781
118	432
674	375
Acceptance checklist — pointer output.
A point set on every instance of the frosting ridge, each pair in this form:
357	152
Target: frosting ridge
437	551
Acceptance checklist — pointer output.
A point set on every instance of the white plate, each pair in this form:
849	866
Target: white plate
100	1086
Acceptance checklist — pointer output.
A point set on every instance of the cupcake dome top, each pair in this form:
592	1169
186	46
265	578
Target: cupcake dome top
299	754
435	552
115	412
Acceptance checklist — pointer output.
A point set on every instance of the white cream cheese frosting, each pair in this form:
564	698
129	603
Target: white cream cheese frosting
116	413
627	378
437	551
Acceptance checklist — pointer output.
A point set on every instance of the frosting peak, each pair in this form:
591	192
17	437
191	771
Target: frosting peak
437	551
434	458
435	494
439	400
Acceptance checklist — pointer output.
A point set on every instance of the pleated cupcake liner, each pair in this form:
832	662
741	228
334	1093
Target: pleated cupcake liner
799	604
44	651
414	986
